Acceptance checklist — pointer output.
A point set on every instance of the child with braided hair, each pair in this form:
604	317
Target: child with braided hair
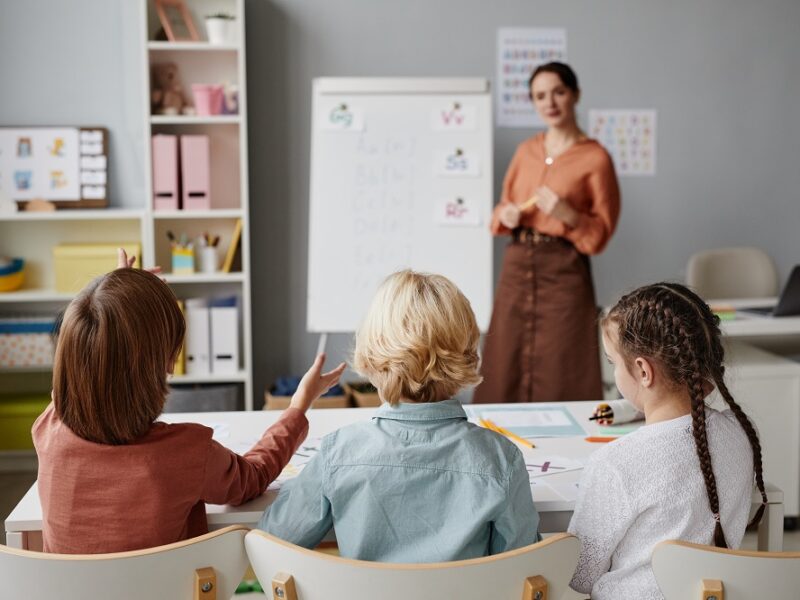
688	473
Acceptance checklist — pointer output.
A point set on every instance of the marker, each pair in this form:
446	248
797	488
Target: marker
599	439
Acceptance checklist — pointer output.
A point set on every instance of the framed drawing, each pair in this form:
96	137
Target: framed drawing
67	166
176	20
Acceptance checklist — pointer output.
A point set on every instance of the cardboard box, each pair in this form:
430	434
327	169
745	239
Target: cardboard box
282	402
75	265
362	393
17	414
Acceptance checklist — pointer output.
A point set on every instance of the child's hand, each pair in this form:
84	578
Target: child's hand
315	383
123	262
603	414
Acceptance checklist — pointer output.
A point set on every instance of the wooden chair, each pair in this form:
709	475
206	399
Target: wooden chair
687	571
209	567
536	572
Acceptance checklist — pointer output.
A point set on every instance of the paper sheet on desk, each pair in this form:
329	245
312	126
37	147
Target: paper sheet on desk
541	420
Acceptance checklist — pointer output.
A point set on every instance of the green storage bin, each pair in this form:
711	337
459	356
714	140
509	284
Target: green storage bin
17	414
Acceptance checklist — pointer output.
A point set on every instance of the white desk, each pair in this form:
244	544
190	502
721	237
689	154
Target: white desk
24	524
749	325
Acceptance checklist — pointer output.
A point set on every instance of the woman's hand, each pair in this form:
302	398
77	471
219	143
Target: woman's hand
123	262
509	215
549	203
315	383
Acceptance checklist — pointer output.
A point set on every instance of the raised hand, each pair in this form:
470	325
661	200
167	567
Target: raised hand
315	383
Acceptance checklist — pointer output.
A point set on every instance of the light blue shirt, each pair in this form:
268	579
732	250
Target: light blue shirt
418	483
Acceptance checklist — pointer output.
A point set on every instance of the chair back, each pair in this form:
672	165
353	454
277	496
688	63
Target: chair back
209	567
739	272
686	571
536	572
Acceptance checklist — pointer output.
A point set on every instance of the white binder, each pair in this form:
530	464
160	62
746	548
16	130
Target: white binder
198	342
224	337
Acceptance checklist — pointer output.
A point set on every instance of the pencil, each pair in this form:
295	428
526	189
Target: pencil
600	439
509	434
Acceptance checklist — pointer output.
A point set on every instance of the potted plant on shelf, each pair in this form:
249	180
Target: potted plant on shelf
219	28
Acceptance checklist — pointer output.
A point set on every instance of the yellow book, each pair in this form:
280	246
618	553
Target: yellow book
236	240
180	362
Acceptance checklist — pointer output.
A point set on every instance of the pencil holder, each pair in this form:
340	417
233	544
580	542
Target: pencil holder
208	259
182	261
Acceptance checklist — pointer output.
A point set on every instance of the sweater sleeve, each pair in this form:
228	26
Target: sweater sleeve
506	197
603	514
595	227
233	479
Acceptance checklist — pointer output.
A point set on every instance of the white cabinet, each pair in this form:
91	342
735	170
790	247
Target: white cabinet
767	387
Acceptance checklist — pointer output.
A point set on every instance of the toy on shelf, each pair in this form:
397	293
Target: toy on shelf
166	95
12	274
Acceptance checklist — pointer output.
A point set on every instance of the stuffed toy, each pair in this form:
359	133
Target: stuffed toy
166	97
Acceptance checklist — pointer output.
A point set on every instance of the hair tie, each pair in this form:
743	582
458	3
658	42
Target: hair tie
716	517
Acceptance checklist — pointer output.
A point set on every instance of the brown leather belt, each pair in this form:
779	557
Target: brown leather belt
526	235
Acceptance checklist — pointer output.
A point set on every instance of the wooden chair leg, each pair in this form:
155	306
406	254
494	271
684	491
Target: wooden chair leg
283	587
205	584
713	589
535	588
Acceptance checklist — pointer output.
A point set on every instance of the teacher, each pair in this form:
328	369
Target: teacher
560	204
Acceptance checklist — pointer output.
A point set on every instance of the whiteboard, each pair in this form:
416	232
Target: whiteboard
401	177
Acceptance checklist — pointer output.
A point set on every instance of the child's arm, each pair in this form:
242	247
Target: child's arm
603	514
234	479
518	523
302	512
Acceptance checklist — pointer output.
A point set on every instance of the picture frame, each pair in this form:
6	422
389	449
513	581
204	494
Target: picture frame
176	20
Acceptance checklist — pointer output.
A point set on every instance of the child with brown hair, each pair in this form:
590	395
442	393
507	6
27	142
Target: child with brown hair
113	478
418	483
688	473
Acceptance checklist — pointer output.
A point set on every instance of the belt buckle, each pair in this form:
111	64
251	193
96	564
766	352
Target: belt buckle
537	237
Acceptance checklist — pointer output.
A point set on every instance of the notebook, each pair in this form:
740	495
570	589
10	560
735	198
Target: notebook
788	302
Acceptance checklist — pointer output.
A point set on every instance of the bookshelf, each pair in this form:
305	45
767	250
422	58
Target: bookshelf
33	235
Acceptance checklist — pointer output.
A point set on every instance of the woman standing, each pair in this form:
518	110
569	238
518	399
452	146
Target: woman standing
560	204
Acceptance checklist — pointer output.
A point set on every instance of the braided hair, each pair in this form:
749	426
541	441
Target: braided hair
675	328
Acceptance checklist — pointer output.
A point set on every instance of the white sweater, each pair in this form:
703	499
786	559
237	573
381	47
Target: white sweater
647	487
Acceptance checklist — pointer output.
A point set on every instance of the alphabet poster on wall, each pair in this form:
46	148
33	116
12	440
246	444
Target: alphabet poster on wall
519	52
629	136
65	165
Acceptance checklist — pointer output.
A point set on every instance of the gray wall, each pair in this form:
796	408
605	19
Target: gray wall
724	76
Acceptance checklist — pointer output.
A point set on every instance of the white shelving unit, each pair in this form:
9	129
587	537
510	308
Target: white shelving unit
33	235
202	62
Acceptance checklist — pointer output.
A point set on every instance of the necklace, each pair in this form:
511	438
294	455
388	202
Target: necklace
550	156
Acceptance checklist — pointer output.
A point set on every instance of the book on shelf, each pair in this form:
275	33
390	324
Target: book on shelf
233	258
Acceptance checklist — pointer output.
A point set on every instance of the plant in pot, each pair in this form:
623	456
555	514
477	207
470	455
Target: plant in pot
219	27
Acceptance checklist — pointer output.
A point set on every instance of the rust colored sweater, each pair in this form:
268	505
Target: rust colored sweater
100	498
583	176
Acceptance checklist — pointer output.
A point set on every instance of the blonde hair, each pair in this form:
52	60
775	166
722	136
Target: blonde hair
419	339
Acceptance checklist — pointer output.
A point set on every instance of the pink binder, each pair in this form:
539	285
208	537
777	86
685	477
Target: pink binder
195	172
166	192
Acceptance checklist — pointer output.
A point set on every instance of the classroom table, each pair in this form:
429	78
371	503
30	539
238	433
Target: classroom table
236	430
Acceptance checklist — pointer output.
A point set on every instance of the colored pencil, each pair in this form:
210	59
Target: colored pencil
503	431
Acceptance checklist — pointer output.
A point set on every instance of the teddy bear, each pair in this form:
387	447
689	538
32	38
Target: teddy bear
166	97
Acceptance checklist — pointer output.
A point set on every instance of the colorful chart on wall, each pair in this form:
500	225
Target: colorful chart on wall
65	165
519	52
629	136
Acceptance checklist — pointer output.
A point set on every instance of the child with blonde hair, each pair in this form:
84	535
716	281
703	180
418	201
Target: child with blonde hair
111	476
418	483
688	473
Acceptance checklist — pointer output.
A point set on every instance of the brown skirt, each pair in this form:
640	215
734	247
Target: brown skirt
542	342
